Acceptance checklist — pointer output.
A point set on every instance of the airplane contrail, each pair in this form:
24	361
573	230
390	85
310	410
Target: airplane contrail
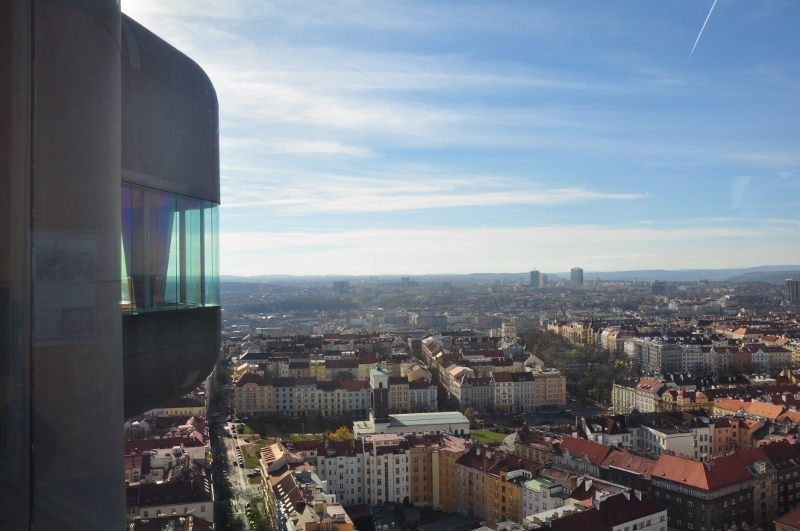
701	30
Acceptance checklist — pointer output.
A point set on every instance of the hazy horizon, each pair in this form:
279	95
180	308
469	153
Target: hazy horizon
448	137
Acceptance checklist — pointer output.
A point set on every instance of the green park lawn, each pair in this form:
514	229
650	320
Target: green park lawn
486	436
250	461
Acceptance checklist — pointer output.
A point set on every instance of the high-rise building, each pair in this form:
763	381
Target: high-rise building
535	279
792	290
542	281
109	294
341	286
576	276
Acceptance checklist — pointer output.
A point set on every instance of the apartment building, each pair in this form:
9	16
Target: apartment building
535	445
540	494
446	492
253	395
387	469
398	395
550	388
765	486
681	434
616	512
476	393
186	493
732	434
471	482
504	485
580	455
423	474
423	395
786	460
713	495
341	464
256	396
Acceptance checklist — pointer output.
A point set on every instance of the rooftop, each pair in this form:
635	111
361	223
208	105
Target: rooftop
423	419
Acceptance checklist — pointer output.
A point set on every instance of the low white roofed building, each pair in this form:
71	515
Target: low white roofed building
451	422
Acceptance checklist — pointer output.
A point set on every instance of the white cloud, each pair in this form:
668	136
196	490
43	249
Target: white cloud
413	191
549	248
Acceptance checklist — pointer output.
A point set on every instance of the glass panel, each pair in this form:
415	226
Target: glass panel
162	233
170	252
191	251
172	293
211	258
136	248
126	283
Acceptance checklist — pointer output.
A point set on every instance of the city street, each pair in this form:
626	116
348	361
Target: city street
243	490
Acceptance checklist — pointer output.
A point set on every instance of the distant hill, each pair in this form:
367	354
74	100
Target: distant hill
772	277
686	275
245	286
775	274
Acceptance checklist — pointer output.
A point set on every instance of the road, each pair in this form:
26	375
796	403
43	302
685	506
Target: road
243	490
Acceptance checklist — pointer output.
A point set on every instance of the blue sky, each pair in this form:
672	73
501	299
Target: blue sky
372	138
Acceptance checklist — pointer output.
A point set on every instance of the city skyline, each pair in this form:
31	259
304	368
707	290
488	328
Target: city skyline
448	138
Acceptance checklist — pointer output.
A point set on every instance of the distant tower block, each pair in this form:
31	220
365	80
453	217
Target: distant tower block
535	279
542	281
341	287
576	276
792	290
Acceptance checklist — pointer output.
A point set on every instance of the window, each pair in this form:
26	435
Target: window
169	251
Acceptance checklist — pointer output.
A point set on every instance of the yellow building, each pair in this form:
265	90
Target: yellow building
551	389
398	395
504	488
445	492
680	400
316	370
253	395
421	469
534	446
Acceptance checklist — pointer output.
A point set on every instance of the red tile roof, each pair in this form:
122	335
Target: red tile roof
626	507
790	519
596	452
721	472
631	462
588	520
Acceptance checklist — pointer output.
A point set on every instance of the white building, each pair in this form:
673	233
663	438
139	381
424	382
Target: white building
691	438
341	465
422	395
386	477
447	422
541	494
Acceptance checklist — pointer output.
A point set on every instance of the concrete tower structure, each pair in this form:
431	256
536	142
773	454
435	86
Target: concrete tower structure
109	300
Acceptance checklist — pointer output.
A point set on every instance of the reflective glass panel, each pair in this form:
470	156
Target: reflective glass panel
191	211
211	259
170	254
162	245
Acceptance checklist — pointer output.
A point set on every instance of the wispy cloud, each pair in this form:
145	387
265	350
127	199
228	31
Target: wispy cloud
338	194
342	114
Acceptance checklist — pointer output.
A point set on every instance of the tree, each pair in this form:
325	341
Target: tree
470	414
341	433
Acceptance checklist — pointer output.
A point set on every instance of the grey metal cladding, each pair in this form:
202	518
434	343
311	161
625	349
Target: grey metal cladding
170	117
